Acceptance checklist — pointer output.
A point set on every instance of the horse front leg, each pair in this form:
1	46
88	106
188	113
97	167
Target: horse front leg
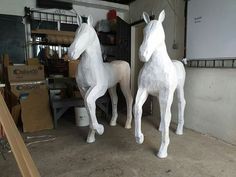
181	107
90	102
161	125
91	134
165	100
139	101
114	100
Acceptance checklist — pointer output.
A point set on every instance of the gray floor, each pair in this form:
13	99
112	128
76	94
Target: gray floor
115	154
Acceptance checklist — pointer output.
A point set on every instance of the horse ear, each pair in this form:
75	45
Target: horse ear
79	20
162	16
90	20
146	17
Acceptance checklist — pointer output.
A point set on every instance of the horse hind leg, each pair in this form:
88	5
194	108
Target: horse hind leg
181	107
125	88
141	97
114	100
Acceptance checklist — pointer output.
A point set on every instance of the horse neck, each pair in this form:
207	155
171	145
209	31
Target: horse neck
160	55
93	53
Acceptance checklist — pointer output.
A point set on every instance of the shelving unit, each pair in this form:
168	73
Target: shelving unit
55	30
118	48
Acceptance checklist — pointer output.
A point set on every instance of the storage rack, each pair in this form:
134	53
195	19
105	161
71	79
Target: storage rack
60	20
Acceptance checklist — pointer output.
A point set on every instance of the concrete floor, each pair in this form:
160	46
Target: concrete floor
115	154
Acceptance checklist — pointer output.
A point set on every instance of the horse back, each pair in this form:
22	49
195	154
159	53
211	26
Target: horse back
116	71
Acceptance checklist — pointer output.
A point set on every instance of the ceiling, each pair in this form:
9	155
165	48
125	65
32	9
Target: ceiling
120	1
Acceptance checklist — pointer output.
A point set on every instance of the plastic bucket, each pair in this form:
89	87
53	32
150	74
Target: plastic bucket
81	117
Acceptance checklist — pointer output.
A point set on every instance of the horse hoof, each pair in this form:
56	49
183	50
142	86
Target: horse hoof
128	126
162	155
100	129
112	124
140	139
179	132
90	140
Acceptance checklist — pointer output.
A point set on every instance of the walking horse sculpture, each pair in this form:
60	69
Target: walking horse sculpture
94	76
160	76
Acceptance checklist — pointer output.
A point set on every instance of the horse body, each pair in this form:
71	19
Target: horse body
94	77
153	79
160	76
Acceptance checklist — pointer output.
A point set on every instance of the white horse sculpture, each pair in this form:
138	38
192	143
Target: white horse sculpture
159	77
94	76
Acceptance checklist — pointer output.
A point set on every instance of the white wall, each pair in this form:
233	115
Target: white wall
13	7
211	102
211	29
155	7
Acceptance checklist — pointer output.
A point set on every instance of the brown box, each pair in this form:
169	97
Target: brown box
34	106
32	61
73	65
15	112
24	73
20	89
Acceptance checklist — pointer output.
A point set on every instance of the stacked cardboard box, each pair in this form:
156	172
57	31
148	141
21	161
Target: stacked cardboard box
29	94
73	66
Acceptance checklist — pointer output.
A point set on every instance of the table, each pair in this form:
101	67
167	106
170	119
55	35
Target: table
60	106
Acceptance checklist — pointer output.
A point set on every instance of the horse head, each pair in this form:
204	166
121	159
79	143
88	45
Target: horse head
153	36
85	35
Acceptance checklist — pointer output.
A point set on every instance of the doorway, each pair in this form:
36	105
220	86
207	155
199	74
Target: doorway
136	64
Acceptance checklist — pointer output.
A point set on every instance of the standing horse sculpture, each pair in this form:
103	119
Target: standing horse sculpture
94	76
160	76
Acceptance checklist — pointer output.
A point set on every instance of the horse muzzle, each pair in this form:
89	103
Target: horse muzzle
144	57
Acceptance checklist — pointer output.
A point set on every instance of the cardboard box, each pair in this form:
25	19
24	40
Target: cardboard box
33	61
21	89
34	105
24	73
15	113
73	66
13	104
